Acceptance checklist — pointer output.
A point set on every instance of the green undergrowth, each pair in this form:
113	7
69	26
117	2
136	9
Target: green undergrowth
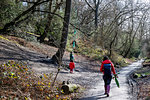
119	60
19	82
147	60
142	72
97	53
87	49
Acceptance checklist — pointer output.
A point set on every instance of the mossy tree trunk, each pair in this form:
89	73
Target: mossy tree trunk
49	18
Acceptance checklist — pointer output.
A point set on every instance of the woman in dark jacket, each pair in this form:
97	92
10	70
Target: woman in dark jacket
107	68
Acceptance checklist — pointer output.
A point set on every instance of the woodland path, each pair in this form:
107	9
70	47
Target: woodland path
36	57
87	72
122	93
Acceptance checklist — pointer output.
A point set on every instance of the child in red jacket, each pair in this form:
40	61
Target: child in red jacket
107	68
72	66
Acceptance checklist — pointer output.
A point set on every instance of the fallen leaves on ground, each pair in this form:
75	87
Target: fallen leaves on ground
19	82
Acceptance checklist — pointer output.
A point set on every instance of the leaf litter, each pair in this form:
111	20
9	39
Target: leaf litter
19	82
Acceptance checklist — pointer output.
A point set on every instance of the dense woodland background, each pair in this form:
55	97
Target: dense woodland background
105	27
119	29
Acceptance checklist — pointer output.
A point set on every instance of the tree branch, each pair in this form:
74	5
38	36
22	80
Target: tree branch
61	18
27	1
89	5
13	22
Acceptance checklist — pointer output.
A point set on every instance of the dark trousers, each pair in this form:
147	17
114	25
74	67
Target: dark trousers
107	81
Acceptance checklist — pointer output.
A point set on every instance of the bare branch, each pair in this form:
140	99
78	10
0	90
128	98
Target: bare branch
61	18
89	5
27	1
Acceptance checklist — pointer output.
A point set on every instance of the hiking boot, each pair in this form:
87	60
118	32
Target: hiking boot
105	89
108	89
107	95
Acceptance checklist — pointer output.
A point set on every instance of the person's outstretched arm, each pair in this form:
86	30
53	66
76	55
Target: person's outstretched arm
113	69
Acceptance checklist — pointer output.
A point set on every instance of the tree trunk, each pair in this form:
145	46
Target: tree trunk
131	40
111	44
69	88
47	27
130	46
96	12
116	30
57	58
50	17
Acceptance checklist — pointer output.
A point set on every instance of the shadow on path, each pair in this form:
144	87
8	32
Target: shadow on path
96	97
9	51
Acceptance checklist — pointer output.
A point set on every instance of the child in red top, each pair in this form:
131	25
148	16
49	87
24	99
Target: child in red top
107	68
72	66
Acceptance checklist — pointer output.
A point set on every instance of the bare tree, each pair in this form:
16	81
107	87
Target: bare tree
60	52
